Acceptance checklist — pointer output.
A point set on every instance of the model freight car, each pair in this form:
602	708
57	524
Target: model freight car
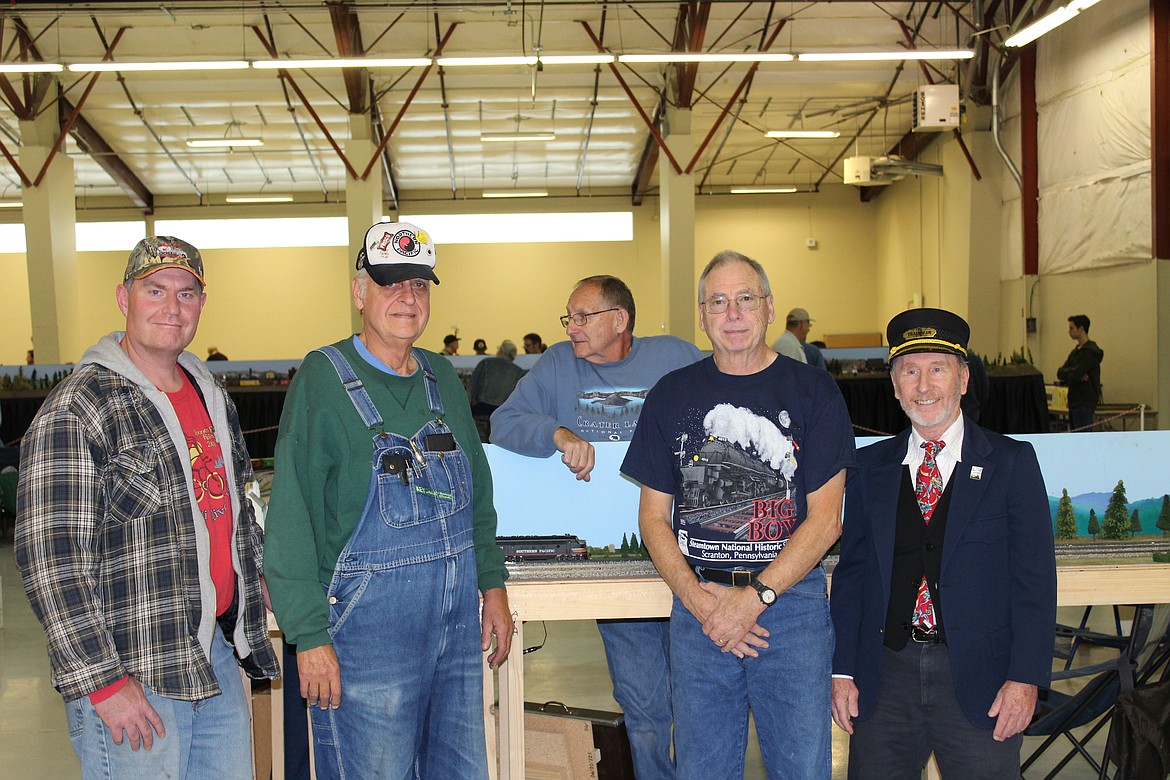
543	548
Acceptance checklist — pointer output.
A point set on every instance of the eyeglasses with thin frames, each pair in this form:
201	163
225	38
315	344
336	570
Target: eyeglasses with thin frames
718	304
580	319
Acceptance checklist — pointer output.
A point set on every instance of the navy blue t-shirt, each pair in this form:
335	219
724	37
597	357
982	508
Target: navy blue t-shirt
740	454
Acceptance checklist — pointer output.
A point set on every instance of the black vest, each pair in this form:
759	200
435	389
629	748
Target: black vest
917	553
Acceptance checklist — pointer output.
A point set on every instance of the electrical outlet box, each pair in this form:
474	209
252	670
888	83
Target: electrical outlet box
811	243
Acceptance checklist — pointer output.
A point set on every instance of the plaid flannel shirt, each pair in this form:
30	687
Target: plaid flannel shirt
107	546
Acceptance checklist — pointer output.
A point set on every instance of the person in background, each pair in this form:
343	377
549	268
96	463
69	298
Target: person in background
790	343
30	358
742	458
533	345
480	347
213	353
492	381
450	345
590	389
1082	373
381	537
944	597
139	551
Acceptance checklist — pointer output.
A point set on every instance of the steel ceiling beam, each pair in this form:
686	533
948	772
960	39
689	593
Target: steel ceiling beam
285	76
348	32
689	34
409	99
92	143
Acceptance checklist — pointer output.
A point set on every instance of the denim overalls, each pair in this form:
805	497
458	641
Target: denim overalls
404	611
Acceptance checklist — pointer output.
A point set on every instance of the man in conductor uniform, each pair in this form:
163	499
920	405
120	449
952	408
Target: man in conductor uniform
944	599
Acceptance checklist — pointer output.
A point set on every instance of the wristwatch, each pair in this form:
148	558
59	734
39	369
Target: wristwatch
767	595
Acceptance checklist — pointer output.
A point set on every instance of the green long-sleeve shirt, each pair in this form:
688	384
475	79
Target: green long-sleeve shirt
323	461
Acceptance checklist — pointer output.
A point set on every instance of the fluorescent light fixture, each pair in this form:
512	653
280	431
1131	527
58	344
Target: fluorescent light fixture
11	204
517	194
802	134
127	67
681	56
762	190
213	143
258	199
886	56
458	62
31	67
359	62
257	233
1043	25
515	137
576	59
521	228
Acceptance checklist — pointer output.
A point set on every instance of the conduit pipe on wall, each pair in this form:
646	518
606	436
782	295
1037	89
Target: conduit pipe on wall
1011	166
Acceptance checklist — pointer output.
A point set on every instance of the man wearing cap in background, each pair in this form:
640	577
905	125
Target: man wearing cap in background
793	341
381	536
450	345
139	553
944	599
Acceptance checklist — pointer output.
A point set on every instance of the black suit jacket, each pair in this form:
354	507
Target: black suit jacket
998	574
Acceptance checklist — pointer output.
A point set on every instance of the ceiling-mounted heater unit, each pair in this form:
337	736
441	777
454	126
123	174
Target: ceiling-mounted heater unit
887	169
936	108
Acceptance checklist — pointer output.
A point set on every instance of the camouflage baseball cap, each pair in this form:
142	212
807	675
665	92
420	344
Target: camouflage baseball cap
159	252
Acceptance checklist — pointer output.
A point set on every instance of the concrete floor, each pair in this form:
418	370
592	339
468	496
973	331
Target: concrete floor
570	668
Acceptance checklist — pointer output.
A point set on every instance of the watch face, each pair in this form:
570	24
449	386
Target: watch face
767	595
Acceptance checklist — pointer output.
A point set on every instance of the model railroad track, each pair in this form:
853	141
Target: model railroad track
1112	549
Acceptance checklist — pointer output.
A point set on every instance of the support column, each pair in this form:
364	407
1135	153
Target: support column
363	198
677	223
1160	192
50	229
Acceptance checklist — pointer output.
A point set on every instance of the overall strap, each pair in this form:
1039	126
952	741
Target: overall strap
353	386
432	384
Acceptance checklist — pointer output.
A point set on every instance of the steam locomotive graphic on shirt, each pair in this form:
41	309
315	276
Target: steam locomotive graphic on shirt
736	483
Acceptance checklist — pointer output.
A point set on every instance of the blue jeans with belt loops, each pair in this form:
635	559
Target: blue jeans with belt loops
787	690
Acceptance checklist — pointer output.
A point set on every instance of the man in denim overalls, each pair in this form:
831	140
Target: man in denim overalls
381	537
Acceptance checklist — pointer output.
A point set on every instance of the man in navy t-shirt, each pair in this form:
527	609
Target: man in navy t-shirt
742	461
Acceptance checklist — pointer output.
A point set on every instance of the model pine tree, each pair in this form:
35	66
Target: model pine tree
1094	524
1135	523
1164	515
1116	525
635	548
1066	518
625	548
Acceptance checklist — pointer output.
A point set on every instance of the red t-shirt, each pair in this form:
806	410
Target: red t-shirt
211	488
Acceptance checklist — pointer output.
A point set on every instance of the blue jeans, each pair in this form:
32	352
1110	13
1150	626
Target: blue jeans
411	676
638	654
209	738
787	689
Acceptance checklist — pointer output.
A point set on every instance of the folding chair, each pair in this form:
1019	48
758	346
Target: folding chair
1058	713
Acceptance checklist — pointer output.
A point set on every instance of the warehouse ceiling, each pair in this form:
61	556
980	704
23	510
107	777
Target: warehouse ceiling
129	131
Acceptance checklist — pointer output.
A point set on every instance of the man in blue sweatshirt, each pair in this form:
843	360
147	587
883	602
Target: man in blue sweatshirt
589	389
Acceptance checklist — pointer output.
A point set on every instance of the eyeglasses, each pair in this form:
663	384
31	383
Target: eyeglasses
581	319
717	304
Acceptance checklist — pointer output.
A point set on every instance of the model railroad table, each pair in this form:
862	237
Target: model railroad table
534	595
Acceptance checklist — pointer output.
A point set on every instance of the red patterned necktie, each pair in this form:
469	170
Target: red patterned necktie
928	488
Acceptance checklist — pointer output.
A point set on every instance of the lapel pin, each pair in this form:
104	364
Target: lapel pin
976	472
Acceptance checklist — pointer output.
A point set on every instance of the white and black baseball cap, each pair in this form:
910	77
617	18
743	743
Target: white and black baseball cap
397	251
